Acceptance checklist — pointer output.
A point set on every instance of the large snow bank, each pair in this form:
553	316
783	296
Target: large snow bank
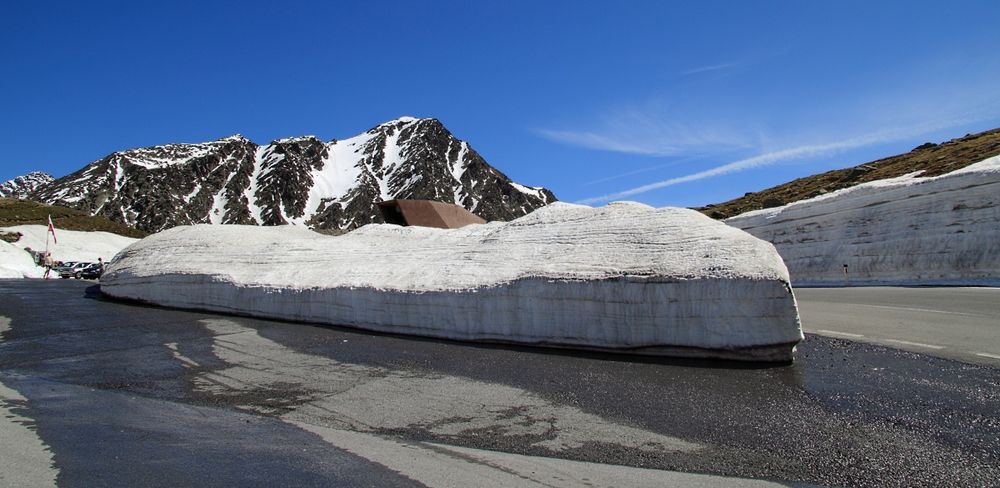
72	245
942	230
624	277
17	263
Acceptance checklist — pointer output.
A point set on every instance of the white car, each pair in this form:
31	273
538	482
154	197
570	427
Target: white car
73	271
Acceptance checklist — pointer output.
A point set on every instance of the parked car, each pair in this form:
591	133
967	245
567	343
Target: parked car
61	266
73	271
92	272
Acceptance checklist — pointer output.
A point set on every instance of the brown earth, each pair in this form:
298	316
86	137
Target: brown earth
932	159
25	212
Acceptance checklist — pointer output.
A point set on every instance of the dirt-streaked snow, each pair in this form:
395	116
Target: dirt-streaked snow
942	230
624	276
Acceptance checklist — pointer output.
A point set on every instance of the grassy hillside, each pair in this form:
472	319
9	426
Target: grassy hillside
933	159
24	212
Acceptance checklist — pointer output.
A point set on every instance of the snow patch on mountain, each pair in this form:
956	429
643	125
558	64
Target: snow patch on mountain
910	230
533	191
625	277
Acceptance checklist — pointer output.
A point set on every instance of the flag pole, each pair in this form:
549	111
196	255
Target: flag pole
51	230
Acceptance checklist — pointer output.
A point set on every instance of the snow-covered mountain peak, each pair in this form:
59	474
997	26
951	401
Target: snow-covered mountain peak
288	140
406	122
295	180
164	155
406	119
233	138
21	186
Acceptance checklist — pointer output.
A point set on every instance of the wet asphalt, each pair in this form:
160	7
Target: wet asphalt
843	414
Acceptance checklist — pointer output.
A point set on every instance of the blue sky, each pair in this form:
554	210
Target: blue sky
667	103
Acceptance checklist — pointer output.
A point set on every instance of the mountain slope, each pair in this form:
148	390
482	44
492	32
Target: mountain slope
300	180
931	159
14	212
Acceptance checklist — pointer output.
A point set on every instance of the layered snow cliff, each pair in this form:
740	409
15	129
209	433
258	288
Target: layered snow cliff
624	277
942	230
298	180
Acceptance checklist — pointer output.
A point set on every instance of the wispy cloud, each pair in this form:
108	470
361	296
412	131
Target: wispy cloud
634	172
706	121
713	67
774	157
645	131
603	142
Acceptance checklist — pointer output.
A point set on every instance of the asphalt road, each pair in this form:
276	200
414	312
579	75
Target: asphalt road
956	323
103	393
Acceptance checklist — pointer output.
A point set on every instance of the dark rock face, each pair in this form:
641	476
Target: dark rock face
22	186
285	178
153	188
302	180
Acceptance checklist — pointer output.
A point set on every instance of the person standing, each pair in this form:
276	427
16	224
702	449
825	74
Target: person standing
47	262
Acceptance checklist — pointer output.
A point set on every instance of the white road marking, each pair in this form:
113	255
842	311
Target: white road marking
833	332
987	355
917	344
927	310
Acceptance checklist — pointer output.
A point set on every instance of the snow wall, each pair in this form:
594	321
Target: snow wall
624	277
942	230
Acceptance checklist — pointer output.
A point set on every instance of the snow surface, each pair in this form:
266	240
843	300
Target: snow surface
623	276
458	168
338	175
251	191
15	262
942	230
73	245
392	159
533	191
173	154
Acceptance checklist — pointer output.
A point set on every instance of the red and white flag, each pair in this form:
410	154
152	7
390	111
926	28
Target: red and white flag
52	229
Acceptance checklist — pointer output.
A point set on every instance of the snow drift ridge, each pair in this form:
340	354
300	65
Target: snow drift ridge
624	277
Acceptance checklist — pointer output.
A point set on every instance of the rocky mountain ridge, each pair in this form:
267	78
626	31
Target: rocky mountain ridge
297	180
22	186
